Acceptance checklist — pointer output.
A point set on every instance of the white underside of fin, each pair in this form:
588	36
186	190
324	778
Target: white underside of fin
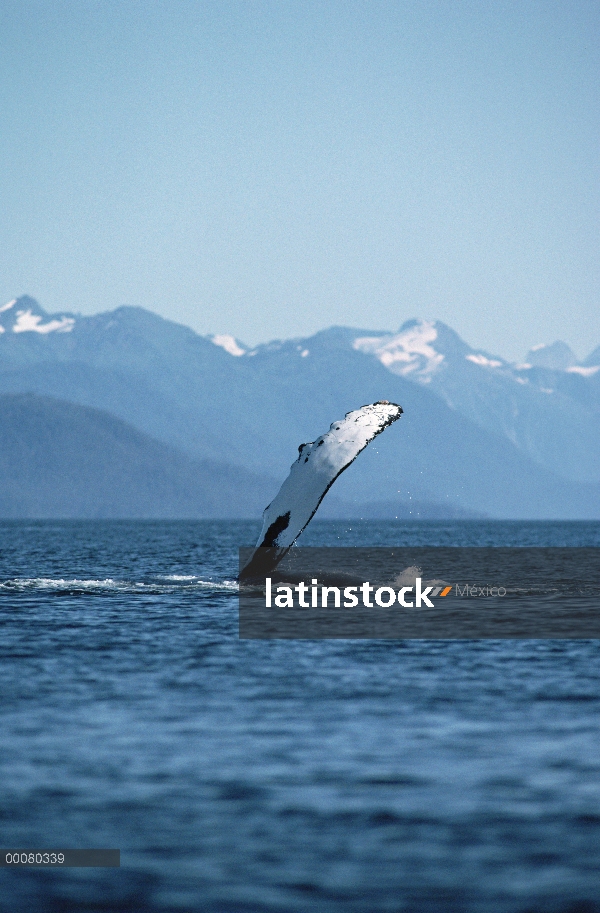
316	469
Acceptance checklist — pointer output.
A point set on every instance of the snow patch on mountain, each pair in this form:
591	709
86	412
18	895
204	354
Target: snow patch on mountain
8	306
27	322
585	372
229	343
483	361
407	352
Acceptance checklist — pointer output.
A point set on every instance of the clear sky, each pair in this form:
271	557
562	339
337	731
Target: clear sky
268	169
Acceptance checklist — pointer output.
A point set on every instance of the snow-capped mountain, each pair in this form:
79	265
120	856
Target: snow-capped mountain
557	357
24	315
593	360
425	349
547	406
409	353
543	405
478	433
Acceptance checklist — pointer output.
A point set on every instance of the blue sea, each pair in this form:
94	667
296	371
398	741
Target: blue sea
238	776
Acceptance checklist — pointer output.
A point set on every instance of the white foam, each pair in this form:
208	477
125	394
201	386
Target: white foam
178	577
408	577
171	583
52	583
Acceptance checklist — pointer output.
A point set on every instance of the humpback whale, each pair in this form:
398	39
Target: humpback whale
318	465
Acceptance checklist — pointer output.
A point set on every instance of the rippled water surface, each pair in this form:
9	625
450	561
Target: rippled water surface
282	776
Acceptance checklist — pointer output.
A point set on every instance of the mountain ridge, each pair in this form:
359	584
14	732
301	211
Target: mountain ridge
60	459
470	439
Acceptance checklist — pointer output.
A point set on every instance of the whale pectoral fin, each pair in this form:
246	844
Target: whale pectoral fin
312	475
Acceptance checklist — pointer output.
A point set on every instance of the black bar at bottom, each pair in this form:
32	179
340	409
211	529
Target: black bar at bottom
59	859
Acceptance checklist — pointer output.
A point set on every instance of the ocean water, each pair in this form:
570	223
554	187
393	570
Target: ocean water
282	776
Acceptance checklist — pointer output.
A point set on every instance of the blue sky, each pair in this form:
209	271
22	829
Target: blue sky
271	168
